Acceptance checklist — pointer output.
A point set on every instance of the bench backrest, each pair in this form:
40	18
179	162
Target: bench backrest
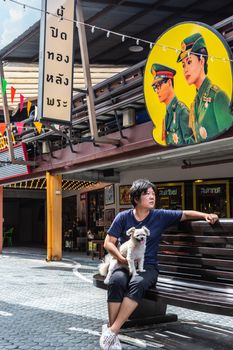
197	250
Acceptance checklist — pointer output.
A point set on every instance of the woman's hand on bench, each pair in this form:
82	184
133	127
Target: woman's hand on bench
211	218
198	215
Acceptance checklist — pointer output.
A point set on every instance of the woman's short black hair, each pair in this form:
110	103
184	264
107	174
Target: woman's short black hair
138	187
203	51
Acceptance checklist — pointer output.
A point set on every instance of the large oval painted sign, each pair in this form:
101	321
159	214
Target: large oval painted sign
188	85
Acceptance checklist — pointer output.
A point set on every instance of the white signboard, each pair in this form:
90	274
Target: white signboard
8	170
56	61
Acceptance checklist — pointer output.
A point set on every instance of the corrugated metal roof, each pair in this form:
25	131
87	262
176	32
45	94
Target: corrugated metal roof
24	78
145	19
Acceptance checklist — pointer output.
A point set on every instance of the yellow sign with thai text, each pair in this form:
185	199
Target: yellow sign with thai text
4	141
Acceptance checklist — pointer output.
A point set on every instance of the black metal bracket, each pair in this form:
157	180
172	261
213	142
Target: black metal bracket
117	121
83	91
62	134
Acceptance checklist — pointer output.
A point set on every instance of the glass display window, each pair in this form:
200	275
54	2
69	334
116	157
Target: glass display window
96	211
212	197
170	195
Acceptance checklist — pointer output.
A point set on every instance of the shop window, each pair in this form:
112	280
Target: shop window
96	212
170	196
212	197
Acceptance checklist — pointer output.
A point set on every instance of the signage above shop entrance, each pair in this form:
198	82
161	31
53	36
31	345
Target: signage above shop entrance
8	169
56	61
188	85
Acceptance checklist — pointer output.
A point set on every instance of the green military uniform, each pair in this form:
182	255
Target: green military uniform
176	124
210	112
176	130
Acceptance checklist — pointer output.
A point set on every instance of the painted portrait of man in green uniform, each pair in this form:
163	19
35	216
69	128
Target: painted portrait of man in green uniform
175	129
210	113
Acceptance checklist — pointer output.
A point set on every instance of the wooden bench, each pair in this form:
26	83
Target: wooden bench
196	272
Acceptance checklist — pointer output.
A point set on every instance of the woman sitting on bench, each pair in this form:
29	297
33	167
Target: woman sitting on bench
124	292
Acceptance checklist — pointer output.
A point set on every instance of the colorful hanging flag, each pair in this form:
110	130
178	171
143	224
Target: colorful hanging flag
29	104
13	91
2	128
4	84
19	126
38	126
21	102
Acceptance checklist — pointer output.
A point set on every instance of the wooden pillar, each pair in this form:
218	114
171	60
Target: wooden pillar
54	217
1	218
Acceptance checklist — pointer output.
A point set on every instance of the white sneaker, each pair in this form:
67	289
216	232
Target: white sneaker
116	345
104	327
109	340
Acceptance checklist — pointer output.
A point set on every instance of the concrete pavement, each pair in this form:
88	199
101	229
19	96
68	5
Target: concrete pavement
55	306
49	305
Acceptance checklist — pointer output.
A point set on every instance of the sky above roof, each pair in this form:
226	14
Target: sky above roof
15	19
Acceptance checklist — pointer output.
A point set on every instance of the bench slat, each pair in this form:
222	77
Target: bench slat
197	239
198	272
195	261
196	250
195	283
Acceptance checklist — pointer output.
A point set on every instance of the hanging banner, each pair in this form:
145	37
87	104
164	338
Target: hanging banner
7	169
38	126
188	85
21	101
4	84
19	127
13	91
2	129
29	105
56	61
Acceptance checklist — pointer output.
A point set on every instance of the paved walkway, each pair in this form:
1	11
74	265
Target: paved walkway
55	306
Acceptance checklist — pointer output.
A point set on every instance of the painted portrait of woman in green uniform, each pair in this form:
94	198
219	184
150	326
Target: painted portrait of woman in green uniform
202	60
210	113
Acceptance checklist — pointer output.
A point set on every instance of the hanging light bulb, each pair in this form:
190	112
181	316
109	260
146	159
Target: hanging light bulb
108	34
93	29
123	38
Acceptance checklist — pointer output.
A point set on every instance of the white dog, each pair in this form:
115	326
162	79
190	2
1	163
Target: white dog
133	250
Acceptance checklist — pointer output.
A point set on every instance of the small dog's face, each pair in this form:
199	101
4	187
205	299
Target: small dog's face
139	234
